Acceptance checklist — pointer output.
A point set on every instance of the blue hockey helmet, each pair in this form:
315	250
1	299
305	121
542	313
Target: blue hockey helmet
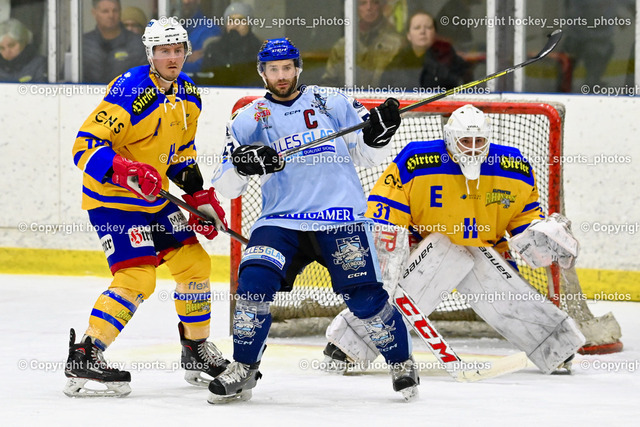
276	50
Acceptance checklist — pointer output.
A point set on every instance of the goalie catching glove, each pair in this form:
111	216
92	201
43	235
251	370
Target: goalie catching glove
384	121
207	203
256	160
547	241
140	178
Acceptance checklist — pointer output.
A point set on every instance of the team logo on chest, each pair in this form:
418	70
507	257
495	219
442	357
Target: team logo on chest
502	197
350	253
262	112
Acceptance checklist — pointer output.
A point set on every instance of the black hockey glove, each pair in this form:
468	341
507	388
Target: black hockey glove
256	160
384	121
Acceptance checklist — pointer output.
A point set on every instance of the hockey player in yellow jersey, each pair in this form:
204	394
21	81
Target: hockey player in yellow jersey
465	200
463	187
141	135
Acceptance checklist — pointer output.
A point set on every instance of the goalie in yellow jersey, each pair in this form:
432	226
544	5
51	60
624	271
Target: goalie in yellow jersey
467	193
139	137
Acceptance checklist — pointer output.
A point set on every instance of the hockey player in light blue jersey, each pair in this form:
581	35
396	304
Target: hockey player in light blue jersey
312	210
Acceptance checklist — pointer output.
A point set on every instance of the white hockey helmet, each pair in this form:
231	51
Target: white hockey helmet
467	134
164	31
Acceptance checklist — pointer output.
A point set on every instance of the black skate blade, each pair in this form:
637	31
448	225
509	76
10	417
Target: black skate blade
77	387
242	396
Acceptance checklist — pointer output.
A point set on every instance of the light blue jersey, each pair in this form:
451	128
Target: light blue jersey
318	187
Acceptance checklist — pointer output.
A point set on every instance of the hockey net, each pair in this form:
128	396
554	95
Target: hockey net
534	128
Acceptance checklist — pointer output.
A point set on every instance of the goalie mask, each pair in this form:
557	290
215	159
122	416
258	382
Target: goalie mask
164	31
278	50
467	136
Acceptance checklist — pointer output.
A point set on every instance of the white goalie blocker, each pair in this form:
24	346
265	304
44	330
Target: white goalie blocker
495	291
547	241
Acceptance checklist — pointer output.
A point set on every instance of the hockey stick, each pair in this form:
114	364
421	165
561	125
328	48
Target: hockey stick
443	351
552	42
173	199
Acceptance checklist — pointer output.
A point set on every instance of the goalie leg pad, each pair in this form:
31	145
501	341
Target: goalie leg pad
434	269
392	246
562	344
348	333
500	296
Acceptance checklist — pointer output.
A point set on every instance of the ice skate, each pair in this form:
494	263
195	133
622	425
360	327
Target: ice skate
404	376
234	384
335	360
199	358
86	364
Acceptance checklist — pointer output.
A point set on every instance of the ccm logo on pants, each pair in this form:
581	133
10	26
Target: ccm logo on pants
354	275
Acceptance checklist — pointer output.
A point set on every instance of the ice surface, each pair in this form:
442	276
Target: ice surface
37	312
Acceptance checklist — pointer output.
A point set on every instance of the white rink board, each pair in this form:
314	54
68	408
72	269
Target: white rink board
44	187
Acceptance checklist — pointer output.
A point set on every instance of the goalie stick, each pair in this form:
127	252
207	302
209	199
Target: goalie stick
173	199
552	42
443	351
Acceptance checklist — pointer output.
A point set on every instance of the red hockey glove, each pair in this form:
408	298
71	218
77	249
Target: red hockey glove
206	202
141	179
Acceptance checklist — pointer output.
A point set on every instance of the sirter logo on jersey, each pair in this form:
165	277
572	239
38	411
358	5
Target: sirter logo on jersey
144	100
191	89
422	161
514	164
502	197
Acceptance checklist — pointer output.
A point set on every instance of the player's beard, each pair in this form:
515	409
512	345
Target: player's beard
285	92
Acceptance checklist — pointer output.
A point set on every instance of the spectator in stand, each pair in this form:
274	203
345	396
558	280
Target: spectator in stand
201	29
110	49
231	60
467	39
19	61
376	45
593	46
134	20
425	61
